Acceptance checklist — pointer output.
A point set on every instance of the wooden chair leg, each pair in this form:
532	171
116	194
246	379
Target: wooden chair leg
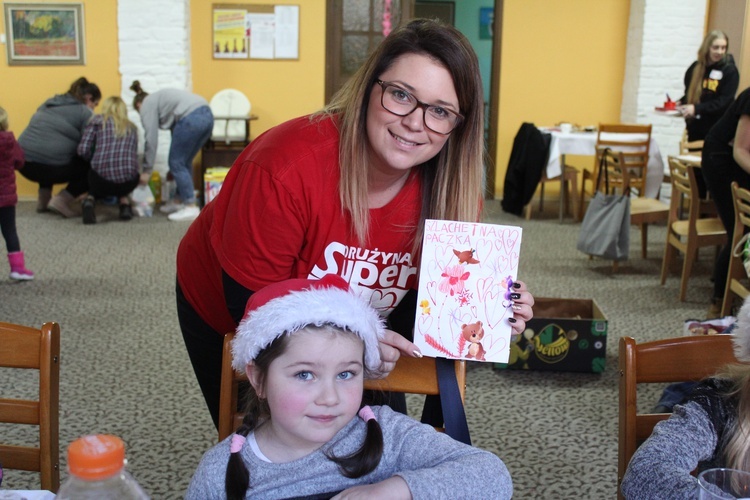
666	261
644	240
574	192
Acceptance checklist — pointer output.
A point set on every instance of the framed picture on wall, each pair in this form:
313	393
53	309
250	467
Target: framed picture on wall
40	34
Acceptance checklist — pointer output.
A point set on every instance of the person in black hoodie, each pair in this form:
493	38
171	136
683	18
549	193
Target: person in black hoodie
710	85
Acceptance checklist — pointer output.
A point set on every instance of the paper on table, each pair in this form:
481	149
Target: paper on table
464	291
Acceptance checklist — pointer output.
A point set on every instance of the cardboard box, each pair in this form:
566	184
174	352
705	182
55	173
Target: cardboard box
213	179
564	335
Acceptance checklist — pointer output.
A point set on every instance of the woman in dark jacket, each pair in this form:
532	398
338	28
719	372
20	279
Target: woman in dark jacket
710	85
50	141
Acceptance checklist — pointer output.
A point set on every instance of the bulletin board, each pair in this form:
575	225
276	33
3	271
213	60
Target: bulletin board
243	31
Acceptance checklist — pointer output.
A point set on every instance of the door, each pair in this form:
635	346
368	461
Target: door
354	27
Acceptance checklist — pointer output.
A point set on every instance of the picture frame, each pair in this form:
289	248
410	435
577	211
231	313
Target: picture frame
43	34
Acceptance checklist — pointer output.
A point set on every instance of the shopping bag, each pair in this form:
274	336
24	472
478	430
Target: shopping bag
143	201
605	230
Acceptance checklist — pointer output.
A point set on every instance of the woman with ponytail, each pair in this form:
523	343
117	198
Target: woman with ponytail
307	346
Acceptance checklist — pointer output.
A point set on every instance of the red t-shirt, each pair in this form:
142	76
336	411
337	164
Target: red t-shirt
278	216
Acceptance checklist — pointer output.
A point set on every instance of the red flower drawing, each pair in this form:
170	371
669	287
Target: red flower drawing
453	280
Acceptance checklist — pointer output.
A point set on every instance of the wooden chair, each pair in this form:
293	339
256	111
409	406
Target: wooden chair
568	187
694	148
634	141
411	375
643	211
736	272
39	349
689	358
687	235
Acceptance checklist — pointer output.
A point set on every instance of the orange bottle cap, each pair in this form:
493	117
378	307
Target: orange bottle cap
96	457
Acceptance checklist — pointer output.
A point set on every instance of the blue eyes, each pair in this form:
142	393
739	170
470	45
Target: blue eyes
305	375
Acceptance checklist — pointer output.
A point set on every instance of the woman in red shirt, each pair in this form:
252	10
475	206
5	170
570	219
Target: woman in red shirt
345	191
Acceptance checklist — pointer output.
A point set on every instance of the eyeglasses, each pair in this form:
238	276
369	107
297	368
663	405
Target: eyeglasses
402	103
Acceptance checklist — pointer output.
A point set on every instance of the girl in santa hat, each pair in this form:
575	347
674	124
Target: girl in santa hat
307	346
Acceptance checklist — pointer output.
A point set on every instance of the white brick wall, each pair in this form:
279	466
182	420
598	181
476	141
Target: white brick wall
154	43
663	40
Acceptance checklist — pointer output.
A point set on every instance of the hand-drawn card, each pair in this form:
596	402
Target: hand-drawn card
465	281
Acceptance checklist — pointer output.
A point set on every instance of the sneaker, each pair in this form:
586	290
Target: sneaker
188	213
87	208
126	212
171	207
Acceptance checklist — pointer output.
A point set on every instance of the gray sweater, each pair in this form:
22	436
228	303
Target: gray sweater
660	467
52	136
432	464
162	110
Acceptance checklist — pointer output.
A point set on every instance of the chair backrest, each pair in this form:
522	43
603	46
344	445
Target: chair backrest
684	192
39	349
694	148
736	272
411	375
230	103
634	141
680	359
618	174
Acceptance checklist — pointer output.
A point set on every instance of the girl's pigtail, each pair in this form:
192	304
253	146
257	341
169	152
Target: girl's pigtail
238	477
367	457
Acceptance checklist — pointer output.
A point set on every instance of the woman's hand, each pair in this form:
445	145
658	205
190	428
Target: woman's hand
522	304
688	110
392	488
392	345
145	177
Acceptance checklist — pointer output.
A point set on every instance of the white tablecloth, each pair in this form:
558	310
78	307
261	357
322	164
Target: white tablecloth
584	143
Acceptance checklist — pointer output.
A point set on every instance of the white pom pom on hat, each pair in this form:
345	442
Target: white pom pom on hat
288	306
741	333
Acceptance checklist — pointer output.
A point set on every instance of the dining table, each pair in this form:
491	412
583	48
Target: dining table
583	142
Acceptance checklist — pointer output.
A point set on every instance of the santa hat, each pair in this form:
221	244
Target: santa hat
289	306
742	333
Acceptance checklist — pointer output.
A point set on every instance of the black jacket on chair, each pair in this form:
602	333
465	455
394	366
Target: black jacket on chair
527	161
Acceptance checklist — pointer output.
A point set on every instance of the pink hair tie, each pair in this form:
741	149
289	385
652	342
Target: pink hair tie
237	442
366	414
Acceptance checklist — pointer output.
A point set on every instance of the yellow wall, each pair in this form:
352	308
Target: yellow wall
24	88
278	89
561	61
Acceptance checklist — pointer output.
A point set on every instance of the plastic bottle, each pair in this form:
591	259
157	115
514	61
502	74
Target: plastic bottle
97	471
155	184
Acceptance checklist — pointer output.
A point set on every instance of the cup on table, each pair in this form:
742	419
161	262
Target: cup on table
723	483
566	128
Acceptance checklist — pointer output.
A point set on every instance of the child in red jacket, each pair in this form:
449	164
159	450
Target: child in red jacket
11	159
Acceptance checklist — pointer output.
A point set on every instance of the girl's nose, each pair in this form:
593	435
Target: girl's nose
328	394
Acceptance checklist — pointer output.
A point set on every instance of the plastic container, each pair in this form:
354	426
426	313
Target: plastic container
155	184
97	471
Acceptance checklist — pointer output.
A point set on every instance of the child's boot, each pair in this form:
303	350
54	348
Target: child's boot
18	269
60	203
45	194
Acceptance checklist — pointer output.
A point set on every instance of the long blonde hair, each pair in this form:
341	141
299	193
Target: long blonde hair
737	448
453	179
114	108
693	93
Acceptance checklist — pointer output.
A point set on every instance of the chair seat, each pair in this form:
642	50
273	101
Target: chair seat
648	210
704	227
